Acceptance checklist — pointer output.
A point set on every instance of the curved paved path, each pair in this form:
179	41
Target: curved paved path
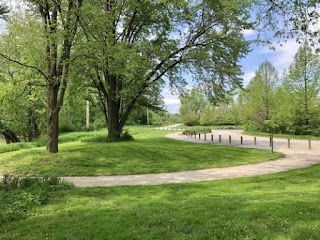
298	156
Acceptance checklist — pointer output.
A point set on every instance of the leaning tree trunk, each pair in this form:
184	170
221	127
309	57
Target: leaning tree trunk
10	136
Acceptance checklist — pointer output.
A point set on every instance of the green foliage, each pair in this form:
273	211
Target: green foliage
197	109
258	98
4	10
22	107
287	19
145	42
192	105
128	49
190	119
19	195
303	84
287	108
98	124
196	130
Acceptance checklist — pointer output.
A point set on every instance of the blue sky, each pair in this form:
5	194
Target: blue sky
281	58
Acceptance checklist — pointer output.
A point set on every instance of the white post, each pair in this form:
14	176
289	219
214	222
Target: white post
87	117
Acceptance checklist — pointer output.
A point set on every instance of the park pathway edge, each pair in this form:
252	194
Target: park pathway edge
296	157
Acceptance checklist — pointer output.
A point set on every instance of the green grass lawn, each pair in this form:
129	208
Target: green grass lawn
280	206
286	136
151	152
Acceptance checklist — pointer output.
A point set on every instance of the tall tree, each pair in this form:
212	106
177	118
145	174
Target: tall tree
303	82
22	89
131	46
259	95
58	29
192	105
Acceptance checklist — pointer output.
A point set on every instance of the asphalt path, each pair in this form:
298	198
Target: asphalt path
300	154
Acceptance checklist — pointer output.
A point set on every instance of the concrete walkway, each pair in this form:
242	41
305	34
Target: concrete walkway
297	156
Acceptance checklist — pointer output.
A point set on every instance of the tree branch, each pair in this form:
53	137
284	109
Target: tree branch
24	65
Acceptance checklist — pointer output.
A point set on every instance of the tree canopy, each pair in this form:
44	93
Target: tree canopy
126	49
137	45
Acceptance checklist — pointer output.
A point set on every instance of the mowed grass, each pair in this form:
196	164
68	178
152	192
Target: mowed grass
280	206
151	152
286	136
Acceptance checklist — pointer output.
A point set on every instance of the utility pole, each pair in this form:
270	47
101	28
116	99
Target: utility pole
166	115
87	117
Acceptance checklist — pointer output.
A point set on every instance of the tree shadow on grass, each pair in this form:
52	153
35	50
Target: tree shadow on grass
228	209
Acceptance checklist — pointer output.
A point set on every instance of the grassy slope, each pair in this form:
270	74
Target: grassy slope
281	206
149	153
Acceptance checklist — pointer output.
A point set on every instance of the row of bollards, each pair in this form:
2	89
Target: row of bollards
271	142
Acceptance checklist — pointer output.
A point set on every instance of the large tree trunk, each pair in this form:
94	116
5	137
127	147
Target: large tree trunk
52	118
113	108
114	128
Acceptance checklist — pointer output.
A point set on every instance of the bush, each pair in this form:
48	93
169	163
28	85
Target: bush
126	136
66	127
190	120
197	130
19	195
98	124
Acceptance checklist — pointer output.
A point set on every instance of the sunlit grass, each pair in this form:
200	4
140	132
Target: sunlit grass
280	206
151	152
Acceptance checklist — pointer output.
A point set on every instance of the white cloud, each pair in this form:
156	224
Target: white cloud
248	32
247	77
172	102
285	54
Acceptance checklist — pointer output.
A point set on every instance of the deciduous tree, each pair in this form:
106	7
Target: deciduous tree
258	97
303	83
59	22
132	46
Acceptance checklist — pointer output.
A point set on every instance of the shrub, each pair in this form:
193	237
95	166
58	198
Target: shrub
190	120
126	136
196	130
19	195
98	124
66	127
